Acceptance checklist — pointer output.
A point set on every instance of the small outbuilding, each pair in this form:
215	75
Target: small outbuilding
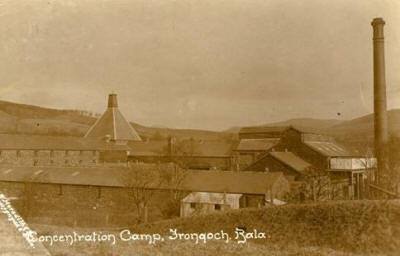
203	203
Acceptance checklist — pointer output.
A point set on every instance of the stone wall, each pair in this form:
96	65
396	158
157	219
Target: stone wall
82	206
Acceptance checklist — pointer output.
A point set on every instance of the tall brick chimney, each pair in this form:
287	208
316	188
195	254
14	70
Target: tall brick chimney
112	100
380	115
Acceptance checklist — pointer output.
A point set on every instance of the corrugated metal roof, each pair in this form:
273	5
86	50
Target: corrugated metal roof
256	144
329	148
202	181
39	142
291	160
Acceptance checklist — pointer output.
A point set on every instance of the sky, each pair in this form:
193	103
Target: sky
207	64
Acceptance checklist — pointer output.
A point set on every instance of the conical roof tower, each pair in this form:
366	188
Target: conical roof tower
113	125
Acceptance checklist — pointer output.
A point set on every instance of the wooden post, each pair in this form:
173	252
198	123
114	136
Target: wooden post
145	219
98	192
358	185
313	191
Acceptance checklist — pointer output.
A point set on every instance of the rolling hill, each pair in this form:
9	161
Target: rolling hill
28	119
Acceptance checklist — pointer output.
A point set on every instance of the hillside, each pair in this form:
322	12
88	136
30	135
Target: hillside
22	118
315	124
364	126
352	226
355	133
333	228
28	119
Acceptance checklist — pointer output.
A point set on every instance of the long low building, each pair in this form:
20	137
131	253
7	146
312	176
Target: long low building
256	183
68	195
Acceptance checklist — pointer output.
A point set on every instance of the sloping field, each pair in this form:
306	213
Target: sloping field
366	227
337	228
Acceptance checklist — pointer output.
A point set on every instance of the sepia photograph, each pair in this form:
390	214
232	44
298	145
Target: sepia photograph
200	127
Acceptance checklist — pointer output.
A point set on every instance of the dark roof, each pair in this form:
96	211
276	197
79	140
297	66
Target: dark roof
202	181
39	142
231	182
215	148
204	148
148	148
256	144
291	160
277	130
112	123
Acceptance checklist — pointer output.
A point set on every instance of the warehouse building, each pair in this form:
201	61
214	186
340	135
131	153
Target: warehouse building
99	196
297	150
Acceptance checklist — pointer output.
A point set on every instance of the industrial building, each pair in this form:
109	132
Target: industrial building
292	151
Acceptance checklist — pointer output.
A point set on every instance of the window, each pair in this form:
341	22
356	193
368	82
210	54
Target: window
193	205
217	207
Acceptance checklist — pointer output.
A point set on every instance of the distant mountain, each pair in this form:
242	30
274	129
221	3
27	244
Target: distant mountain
363	127
353	132
28	119
309	123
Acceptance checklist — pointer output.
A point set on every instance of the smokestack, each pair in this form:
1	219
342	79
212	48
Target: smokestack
380	117
112	100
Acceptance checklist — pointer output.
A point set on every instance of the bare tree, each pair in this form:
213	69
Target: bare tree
173	177
141	182
315	185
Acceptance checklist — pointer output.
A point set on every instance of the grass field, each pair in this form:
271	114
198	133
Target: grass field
335	228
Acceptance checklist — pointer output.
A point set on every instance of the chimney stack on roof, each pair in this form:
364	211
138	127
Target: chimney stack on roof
112	100
113	125
380	115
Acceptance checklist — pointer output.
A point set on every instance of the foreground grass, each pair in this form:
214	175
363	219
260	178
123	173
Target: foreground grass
335	228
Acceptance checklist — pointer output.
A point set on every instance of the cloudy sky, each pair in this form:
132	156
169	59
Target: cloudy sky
208	64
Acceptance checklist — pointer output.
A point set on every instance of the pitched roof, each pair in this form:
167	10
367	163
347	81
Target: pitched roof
148	148
277	130
329	148
256	144
40	142
231	182
201	181
202	148
112	123
291	160
215	148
